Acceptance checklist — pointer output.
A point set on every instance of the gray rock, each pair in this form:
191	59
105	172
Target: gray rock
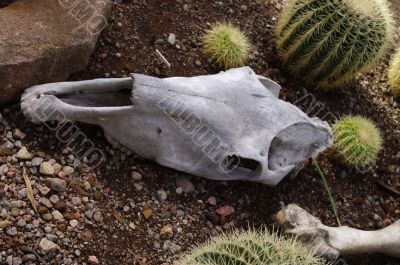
36	161
23	153
161	195
47	246
13	231
46	168
171	39
56	184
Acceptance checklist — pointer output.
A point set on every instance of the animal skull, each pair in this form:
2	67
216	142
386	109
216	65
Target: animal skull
332	242
228	126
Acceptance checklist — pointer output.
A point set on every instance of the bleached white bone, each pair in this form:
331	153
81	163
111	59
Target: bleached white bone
332	242
228	126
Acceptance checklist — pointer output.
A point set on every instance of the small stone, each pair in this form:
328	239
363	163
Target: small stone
18	134
171	39
198	63
137	186
46	246
57	215
185	184
46	202
60	205
243	7
166	229
46	168
161	195
118	55
4	224
12	231
93	260
24	154
226	211
6	149
178	190
68	170
136	176
180	213
36	161
44	190
16	261
47	216
213	217
87	236
132	226
147	213
76	201
212	201
21	223
97	216
54	199
98	196
74	223
28	257
56	184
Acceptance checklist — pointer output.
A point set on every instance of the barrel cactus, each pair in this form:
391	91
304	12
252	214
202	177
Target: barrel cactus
328	42
357	141
394	74
251	247
226	45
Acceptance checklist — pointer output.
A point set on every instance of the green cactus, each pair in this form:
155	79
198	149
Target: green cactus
394	74
251	247
226	45
357	140
328	42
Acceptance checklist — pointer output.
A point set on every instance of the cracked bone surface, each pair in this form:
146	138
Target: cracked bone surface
228	126
332	242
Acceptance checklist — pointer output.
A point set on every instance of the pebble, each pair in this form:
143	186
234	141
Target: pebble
18	134
24	154
5	224
47	246
226	211
54	199
56	184
185	184
136	176
171	39
93	260
147	213
68	170
46	202
44	190
46	168
212	201
57	215
36	161
12	231
73	223
161	195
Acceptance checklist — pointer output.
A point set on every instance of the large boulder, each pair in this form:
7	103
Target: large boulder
45	41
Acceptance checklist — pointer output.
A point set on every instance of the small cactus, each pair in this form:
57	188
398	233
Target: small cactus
394	74
328	42
357	141
226	45
251	247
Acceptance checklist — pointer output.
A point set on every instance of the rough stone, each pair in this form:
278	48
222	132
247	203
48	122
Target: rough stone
51	43
47	246
46	168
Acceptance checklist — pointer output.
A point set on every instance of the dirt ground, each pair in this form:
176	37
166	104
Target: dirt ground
136	29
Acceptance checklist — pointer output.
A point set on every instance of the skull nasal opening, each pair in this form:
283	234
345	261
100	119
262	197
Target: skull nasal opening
240	167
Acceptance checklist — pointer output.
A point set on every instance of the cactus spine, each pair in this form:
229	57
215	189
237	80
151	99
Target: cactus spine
357	140
328	42
226	45
394	74
251	247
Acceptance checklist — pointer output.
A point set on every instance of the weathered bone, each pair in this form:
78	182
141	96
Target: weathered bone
201	125
332	242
